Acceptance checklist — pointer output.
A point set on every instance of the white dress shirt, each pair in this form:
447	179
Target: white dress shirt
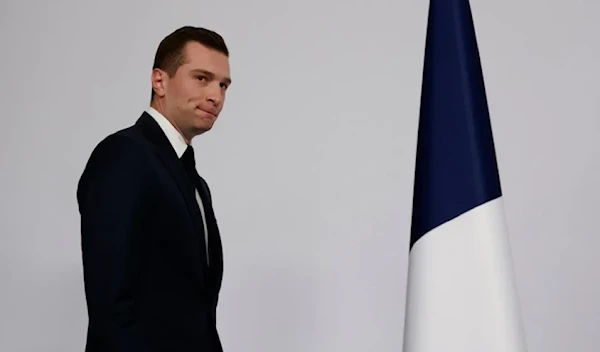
179	145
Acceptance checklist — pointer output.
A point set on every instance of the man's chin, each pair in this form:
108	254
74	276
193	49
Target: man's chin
205	127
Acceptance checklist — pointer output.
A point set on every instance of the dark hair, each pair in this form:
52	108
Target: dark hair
170	54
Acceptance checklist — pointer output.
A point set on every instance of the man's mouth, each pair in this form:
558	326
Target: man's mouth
208	112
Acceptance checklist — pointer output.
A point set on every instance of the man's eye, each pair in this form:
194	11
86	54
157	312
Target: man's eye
201	78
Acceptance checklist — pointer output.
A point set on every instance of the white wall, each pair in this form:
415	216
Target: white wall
311	163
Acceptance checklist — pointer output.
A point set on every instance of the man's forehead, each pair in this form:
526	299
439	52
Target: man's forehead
197	50
200	57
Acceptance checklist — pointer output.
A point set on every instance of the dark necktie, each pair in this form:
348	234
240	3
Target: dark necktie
189	164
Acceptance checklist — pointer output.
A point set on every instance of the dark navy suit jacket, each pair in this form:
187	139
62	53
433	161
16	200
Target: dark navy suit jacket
147	282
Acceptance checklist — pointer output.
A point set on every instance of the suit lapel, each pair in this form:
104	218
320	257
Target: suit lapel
177	172
214	240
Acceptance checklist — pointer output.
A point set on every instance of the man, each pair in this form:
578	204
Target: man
151	248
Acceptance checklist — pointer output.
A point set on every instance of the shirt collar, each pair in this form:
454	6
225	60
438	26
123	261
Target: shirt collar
179	144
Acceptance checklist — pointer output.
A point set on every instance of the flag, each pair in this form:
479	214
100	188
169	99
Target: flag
461	294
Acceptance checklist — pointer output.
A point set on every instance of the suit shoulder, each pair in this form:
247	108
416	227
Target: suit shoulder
118	153
116	146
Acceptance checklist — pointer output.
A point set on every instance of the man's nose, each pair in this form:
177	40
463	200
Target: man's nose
215	93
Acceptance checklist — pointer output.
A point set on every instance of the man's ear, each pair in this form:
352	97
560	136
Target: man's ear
159	80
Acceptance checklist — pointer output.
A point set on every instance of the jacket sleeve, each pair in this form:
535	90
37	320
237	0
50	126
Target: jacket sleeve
113	195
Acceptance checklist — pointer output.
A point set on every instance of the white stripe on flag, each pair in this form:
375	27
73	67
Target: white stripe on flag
460	288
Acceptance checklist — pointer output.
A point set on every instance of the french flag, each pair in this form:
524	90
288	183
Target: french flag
461	294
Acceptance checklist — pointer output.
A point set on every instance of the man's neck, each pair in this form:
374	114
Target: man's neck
158	107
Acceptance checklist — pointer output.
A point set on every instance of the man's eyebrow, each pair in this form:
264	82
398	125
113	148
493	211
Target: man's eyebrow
211	74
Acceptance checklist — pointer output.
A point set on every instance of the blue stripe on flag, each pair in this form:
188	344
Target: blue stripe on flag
456	168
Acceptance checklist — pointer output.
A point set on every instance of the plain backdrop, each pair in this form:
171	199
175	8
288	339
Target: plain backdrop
310	164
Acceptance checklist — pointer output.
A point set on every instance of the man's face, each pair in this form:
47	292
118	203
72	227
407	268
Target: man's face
194	96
